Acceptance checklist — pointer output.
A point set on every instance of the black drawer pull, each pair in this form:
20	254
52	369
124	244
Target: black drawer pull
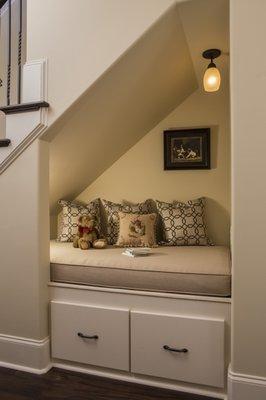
81	335
175	350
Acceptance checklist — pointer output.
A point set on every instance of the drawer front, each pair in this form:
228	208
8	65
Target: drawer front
199	345
90	335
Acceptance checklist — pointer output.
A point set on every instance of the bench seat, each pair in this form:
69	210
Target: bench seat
201	270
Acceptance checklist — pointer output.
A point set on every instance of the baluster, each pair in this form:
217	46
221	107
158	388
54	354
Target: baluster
1	80
19	51
9	54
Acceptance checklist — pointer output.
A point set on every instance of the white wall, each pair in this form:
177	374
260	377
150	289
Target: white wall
139	173
82	38
24	233
248	80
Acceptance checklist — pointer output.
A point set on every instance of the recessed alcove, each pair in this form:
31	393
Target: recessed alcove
112	135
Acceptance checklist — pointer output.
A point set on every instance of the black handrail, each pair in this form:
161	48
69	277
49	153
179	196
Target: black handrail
3	2
5	142
18	108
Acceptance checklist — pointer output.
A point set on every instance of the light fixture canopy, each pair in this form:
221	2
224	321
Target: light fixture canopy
212	76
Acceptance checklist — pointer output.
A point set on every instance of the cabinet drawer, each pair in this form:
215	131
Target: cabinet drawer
107	331
199	343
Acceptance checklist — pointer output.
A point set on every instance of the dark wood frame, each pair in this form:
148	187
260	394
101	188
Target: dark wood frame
202	132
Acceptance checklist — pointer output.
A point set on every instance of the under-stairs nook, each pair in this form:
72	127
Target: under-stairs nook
132	200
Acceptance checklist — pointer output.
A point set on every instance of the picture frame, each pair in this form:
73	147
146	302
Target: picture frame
187	149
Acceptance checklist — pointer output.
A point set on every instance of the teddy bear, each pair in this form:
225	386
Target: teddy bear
88	235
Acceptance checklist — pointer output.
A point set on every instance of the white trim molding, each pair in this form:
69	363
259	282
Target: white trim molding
141	379
246	387
25	354
140	292
34	81
23	128
33	356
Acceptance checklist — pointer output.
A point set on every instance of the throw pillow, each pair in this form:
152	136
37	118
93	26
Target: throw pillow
71	211
111	217
136	230
151	205
184	223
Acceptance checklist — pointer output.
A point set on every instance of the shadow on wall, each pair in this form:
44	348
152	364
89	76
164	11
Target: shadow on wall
218	225
145	85
214	145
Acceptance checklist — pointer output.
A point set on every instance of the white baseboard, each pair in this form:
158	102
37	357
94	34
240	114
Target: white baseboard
140	380
25	354
246	387
33	356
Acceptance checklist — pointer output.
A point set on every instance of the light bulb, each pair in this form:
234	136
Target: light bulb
212	79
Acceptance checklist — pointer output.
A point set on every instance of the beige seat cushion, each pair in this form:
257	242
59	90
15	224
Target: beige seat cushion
195	270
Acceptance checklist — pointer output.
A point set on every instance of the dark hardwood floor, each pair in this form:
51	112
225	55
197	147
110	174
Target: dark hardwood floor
60	385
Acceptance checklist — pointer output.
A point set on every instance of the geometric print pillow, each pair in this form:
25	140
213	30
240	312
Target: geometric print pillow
111	211
184	223
71	212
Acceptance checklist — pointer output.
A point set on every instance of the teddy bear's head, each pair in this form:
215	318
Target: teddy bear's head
85	221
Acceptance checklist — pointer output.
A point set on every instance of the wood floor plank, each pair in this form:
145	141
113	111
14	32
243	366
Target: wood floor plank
64	385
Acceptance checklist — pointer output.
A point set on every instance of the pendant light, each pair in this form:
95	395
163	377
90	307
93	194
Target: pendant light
212	77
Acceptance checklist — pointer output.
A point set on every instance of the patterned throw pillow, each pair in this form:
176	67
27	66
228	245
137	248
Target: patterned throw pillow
184	223
111	211
136	230
71	212
152	208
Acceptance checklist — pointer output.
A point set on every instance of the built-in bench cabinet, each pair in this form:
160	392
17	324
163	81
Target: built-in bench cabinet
172	346
91	335
180	348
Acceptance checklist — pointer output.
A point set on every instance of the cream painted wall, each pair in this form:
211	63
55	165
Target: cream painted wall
83	38
248	80
24	247
139	173
126	103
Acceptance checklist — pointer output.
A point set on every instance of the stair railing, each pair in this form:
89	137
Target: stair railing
12	59
12	50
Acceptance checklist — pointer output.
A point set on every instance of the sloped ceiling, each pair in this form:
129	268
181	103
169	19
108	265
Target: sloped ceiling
150	80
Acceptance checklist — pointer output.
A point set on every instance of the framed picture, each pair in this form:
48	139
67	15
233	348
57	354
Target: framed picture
187	149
